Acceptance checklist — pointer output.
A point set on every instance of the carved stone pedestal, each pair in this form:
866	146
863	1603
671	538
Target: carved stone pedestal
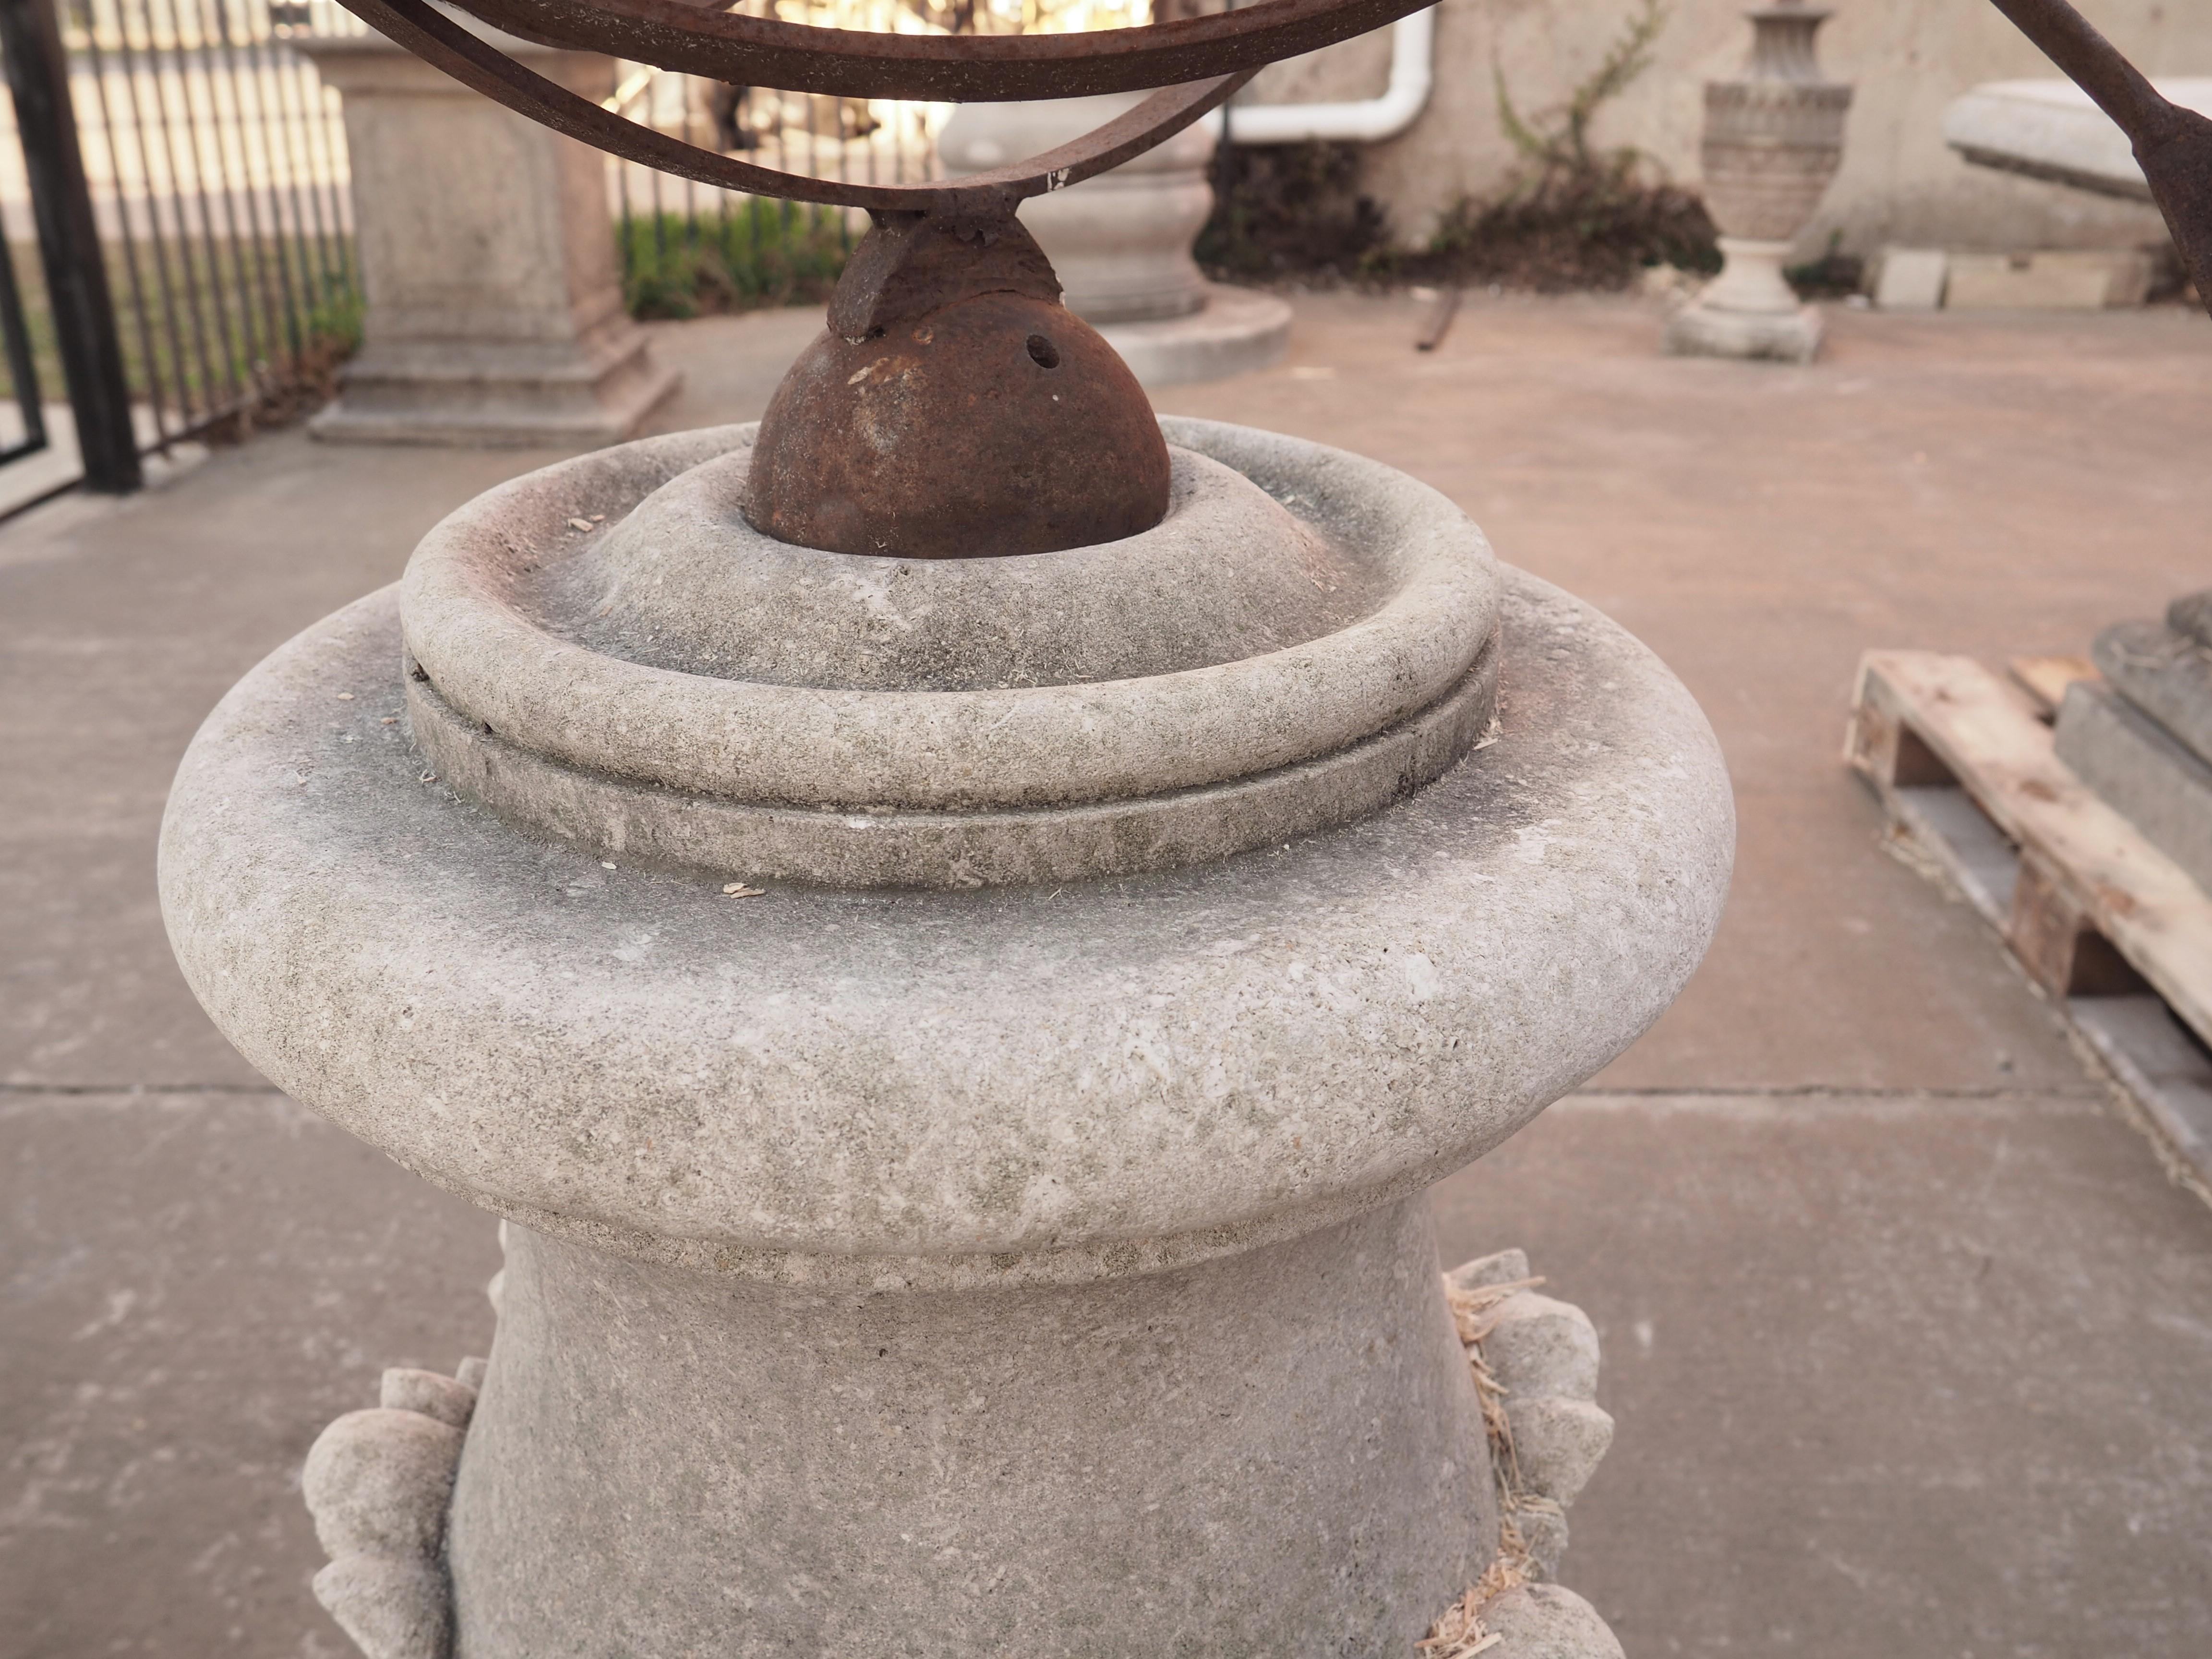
1772	142
960	1045
494	308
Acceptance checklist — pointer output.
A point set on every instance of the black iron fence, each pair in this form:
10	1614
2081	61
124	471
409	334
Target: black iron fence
176	226
687	247
177	254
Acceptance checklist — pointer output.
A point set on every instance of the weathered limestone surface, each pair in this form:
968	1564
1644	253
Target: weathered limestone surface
495	311
1548	1621
1048	1469
953	722
2143	740
1040	1266
536	1029
2165	671
378	1483
2140	770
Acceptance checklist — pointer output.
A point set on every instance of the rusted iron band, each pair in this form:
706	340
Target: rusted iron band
699	38
444	44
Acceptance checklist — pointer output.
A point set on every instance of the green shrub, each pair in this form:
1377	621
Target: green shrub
1290	210
756	253
1572	216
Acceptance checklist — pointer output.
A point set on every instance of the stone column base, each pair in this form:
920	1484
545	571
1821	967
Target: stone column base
440	1515
1702	330
1236	331
493	303
500	395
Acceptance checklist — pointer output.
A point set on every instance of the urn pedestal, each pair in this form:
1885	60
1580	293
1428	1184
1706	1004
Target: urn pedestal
959	1046
494	309
1121	241
1772	142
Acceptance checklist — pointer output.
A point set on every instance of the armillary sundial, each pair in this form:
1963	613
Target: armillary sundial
1003	423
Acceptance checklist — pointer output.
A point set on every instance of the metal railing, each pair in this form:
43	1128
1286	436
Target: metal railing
686	246
211	163
177	242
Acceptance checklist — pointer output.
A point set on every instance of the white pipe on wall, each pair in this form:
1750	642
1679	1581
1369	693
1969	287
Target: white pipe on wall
1413	73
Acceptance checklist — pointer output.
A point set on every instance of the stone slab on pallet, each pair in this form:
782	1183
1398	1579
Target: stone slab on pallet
2046	678
1704	330
2138	767
2166	673
2109	929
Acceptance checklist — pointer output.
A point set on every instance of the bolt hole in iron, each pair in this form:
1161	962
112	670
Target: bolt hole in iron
1043	353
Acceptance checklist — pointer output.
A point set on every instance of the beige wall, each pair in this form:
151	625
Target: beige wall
1906	58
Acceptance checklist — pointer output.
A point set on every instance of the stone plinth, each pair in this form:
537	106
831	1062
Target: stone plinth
2142	739
494	309
1748	311
2158	784
1121	241
960	1046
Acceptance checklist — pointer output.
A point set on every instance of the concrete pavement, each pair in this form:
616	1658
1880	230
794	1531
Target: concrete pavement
1908	1337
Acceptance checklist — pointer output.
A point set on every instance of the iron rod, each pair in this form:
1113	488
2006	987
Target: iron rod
83	310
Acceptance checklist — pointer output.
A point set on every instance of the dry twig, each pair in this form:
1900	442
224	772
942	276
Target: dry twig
1459	1633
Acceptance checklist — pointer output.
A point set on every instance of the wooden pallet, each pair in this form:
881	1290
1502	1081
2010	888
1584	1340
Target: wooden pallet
2117	935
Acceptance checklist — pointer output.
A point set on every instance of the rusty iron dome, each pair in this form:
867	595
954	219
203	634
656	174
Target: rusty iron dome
954	408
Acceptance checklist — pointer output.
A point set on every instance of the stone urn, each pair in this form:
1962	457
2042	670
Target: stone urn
1121	241
958	1047
1772	142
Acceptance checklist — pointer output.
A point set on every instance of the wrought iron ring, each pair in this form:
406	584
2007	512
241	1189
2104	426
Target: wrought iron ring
1198	63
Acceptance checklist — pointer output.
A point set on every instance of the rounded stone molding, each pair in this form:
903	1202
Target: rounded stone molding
1027	1083
682	582
379	1484
1303	638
